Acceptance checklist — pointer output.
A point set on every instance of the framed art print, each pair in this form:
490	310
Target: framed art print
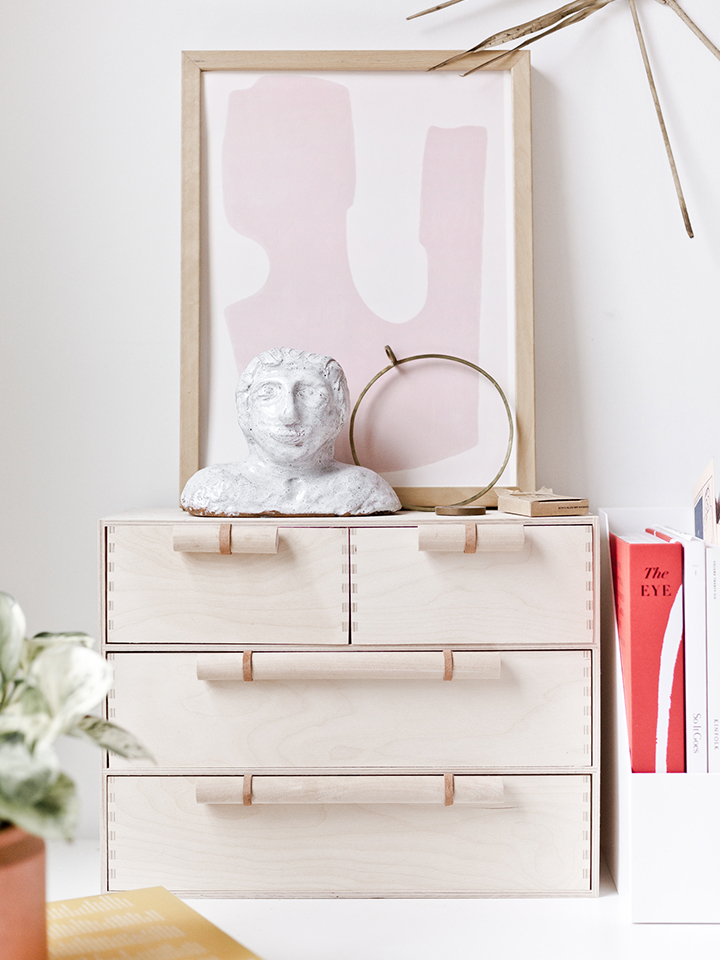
339	202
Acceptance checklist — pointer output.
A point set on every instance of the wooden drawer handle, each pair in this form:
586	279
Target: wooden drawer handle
361	665
471	537
437	789
225	538
447	537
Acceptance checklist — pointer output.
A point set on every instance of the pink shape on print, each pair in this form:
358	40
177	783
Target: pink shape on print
289	180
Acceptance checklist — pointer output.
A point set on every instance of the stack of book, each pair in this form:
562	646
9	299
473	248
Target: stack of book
668	616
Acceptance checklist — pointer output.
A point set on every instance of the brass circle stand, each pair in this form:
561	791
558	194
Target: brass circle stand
394	362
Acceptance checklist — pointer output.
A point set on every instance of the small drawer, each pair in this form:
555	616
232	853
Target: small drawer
515	835
200	583
496	582
509	708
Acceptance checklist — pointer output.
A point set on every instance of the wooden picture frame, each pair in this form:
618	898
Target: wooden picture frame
201	68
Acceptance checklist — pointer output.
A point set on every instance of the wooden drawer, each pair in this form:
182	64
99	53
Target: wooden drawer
532	839
533	708
533	587
158	594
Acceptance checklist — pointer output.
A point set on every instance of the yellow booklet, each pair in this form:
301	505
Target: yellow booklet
150	924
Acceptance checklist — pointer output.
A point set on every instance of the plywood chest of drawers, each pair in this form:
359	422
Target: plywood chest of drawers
386	706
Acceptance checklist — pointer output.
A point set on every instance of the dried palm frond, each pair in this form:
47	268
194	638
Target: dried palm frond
676	8
589	7
661	120
556	20
565	16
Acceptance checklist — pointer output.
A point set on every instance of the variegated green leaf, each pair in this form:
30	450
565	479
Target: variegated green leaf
111	737
40	641
25	775
72	679
52	816
12	634
48	686
32	727
26	699
46	639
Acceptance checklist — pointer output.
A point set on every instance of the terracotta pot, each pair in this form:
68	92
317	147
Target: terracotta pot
22	896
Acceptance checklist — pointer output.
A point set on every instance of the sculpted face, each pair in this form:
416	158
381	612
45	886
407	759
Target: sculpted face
292	413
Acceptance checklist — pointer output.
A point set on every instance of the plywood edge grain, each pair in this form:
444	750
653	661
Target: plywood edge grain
404	518
524	275
190	271
376	894
343	59
459	769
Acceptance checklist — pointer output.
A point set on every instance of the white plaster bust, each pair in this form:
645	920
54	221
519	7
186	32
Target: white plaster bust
291	406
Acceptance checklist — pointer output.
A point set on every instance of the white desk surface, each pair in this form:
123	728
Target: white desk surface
597	929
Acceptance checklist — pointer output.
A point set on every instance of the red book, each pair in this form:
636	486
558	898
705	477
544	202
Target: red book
648	577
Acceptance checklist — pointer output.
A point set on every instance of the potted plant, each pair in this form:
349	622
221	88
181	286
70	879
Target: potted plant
48	686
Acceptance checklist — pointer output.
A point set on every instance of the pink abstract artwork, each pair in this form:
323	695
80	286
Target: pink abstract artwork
288	181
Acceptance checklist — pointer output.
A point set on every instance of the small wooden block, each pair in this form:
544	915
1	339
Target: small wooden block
460	511
542	503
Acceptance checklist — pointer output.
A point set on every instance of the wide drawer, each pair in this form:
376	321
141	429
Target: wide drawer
164	589
506	708
519	584
532	838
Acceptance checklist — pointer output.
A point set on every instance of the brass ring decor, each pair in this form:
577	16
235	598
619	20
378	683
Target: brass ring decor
394	362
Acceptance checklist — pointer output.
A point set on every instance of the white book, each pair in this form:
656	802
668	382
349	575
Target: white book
696	613
713	656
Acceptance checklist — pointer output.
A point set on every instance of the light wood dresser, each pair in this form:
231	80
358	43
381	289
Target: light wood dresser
393	706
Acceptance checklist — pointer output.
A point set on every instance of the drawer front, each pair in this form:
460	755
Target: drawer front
158	594
534	840
536	589
533	709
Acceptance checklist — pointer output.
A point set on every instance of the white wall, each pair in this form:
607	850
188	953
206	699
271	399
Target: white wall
628	332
